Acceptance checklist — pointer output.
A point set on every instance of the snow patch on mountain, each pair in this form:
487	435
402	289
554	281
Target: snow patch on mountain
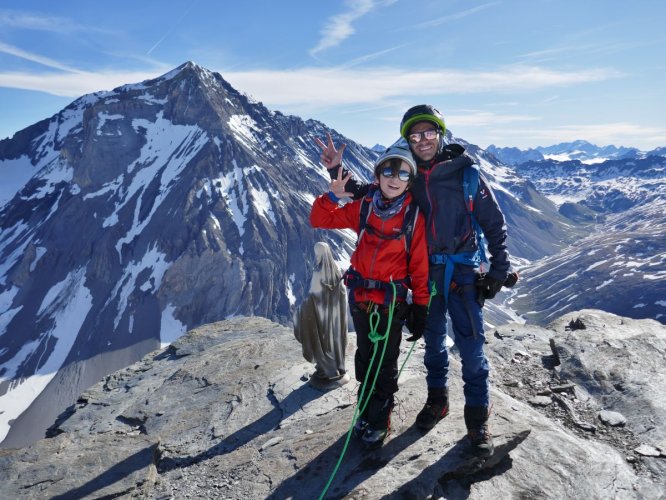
231	189
103	117
167	151
576	155
7	314
245	129
67	304
290	289
153	261
53	174
19	231
148	97
170	328
262	203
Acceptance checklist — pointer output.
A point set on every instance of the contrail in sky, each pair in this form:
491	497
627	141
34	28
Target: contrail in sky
172	28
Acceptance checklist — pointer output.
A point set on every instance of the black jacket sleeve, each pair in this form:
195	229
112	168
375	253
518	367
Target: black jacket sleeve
359	189
491	219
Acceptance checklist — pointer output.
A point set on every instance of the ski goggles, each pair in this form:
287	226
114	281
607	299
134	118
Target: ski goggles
403	175
428	134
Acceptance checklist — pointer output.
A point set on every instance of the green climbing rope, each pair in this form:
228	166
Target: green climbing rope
362	401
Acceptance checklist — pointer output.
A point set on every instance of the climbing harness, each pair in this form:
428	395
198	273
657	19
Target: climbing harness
392	289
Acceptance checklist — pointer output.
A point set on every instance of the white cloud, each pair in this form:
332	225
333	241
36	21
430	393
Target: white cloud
29	56
339	27
318	87
315	88
72	84
28	20
368	57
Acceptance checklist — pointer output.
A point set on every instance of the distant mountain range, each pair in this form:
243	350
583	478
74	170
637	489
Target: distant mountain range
620	263
582	151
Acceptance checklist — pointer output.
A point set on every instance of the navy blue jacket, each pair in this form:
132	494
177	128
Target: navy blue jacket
438	191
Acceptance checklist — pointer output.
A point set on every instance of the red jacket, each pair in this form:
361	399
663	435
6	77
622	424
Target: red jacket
374	257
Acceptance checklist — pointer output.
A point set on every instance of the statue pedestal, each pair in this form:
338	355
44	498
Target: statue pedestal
327	383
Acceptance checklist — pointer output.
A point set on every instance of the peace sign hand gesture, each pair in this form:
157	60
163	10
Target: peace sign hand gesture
330	157
337	186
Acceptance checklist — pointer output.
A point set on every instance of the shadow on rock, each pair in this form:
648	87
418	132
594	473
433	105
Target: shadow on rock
452	475
270	421
140	460
357	465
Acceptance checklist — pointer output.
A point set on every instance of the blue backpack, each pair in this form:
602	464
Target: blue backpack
470	188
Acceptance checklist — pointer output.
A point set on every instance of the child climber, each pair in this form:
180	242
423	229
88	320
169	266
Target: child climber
390	258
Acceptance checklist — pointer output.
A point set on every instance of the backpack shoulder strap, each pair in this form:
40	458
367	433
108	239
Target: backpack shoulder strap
408	224
470	185
364	213
471	175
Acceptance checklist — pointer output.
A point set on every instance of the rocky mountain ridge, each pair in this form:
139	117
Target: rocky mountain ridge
136	214
620	267
619	263
225	412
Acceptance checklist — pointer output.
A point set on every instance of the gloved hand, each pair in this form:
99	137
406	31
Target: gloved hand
488	286
416	321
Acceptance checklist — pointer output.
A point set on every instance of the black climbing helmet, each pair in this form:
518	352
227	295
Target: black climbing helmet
421	113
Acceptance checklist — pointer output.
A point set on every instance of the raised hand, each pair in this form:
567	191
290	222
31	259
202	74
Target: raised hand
337	186
330	157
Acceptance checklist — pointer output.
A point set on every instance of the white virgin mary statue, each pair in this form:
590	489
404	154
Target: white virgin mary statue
320	323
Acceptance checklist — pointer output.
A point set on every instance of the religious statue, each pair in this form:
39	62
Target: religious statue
320	323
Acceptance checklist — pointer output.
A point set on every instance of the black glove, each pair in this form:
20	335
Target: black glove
416	321
488	286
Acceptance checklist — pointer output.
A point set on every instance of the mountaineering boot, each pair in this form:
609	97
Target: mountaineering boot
360	426
379	422
362	419
435	409
476	420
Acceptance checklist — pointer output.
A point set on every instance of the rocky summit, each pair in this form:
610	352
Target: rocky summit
225	411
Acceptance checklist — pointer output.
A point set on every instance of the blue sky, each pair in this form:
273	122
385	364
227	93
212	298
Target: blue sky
522	73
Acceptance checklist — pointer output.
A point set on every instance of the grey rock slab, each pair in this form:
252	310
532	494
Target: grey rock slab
79	466
627	380
612	418
541	400
647	451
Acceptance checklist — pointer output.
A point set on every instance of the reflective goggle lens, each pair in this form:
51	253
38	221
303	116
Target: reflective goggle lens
403	175
428	134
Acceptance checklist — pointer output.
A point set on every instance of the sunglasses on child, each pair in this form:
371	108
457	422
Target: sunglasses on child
403	175
428	134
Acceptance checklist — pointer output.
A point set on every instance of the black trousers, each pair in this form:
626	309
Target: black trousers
387	380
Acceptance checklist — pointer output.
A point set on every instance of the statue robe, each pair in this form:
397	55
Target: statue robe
320	323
